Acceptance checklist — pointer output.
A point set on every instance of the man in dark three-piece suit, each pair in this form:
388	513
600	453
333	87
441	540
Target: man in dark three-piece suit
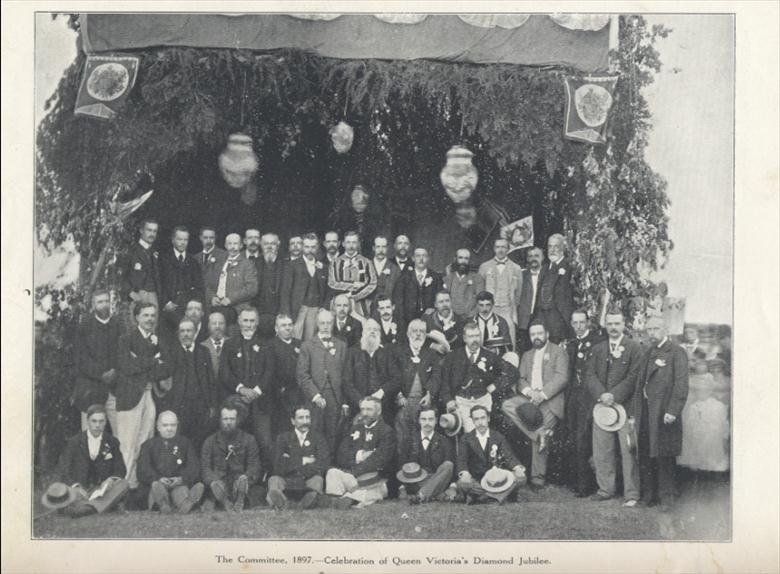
181	278
555	302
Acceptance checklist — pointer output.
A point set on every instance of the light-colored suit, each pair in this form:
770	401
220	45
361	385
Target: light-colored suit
241	285
555	376
506	287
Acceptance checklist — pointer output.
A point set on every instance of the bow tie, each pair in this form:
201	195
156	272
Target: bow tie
498	262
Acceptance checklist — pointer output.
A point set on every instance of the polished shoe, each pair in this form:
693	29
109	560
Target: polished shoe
598	497
630	503
309	499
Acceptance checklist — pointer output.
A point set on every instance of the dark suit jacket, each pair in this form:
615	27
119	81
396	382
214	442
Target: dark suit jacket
555	375
74	463
525	304
142	271
619	376
439	450
161	458
208	344
360	380
460	377
294	283
453	334
554	290
269	287
97	351
191	397
217	462
285	361
403	371
210	270
579	352
501	339
473	458
318	369
385	281
665	381
288	457
380	438
180	281
389	339
137	367
351	333
233	365
409	289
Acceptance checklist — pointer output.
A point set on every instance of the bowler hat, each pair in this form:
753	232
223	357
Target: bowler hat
450	423
530	415
162	387
368	479
58	495
609	418
411	472
497	480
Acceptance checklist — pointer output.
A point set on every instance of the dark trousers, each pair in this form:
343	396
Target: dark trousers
261	429
657	473
326	421
578	438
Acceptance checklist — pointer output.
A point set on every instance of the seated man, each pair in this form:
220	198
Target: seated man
93	466
544	373
427	460
169	468
368	449
230	461
493	329
479	451
367	370
301	459
470	377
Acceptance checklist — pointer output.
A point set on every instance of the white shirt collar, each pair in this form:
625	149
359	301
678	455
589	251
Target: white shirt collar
215	342
144	333
423	435
288	342
372	425
210	251
379	264
233	257
482	438
144	244
617	342
585	336
301	436
104	321
558	260
661	344
248	255
176	253
189	350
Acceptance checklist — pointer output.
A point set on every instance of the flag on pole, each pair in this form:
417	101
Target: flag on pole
105	85
588	101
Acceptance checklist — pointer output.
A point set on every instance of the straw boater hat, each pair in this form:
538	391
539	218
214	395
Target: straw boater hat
609	418
497	480
368	479
530	415
512	358
58	495
411	473
450	423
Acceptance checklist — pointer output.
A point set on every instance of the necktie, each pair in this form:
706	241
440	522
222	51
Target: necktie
473	358
218	347
425	442
205	257
181	258
485	332
188	348
420	278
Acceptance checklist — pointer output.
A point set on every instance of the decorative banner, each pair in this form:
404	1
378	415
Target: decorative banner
105	85
519	233
588	101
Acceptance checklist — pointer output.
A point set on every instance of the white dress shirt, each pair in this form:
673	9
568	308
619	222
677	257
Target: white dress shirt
94	444
483	438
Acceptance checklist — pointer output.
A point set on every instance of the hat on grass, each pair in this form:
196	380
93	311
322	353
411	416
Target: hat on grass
497	480
530	415
450	423
609	418
368	479
58	495
411	473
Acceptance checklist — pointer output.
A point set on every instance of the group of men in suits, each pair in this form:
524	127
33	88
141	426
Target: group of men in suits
354	356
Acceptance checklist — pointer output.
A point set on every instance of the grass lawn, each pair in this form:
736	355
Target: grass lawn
551	514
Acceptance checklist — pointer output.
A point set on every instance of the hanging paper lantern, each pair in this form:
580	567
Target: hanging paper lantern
238	163
459	176
342	135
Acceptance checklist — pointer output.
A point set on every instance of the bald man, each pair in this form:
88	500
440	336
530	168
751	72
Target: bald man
237	284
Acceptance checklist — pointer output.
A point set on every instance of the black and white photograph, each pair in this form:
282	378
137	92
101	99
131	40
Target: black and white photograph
382	276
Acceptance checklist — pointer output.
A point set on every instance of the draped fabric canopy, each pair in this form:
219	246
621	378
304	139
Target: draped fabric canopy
581	42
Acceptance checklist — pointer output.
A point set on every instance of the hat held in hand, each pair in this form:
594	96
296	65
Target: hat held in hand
450	423
609	418
530	415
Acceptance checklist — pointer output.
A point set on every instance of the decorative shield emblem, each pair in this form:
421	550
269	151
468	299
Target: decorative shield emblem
108	81
588	102
592	103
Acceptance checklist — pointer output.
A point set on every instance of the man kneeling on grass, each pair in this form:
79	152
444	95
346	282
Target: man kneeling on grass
91	471
364	459
230	462
300	461
487	467
427	461
169	468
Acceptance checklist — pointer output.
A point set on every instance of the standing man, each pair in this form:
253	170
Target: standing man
270	271
246	368
215	342
141	365
367	370
555	302
418	288
194	312
285	350
528	297
494	332
480	450
301	460
252	245
504	279
469	377
392	326
193	393
237	284
401	252
304	289
169	468
612	377
142	274
463	284
445	322
230	462
660	400
319	372
211	260
386	271
352	274
427	461
181	277
579	405
331	246
415	369
346	327
544	372
294	248
97	359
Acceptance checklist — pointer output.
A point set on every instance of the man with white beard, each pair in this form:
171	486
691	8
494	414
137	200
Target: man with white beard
367	371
